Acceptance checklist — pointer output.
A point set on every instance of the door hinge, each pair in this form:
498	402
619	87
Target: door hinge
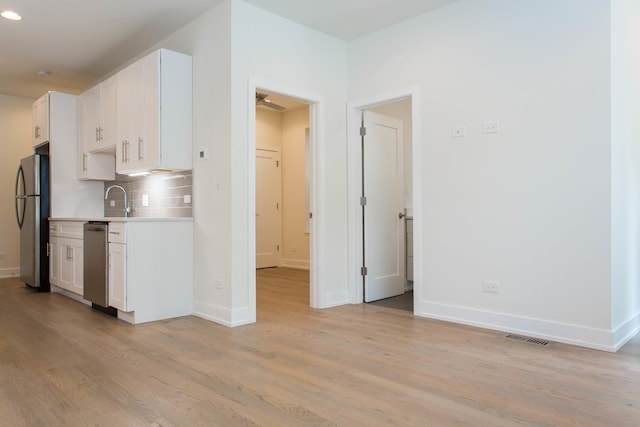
277	163
363	131
363	271
278	248
310	215
363	201
277	205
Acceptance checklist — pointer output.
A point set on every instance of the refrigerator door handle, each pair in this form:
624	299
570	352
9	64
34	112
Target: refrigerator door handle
20	196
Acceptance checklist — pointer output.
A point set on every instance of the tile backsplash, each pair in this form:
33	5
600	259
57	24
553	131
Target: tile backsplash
155	195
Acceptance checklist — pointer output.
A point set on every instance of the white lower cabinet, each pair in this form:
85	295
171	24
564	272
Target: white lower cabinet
118	266
71	265
151	269
54	259
66	256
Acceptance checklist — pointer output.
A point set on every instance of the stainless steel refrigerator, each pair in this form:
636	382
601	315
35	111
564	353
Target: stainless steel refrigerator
32	214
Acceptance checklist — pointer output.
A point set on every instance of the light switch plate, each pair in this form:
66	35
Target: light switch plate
491	127
145	200
187	198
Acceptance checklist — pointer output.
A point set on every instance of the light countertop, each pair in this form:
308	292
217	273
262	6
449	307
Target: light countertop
123	219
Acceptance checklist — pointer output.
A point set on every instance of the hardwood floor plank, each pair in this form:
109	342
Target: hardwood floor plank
62	363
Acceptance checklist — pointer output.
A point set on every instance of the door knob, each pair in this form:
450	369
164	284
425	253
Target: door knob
401	215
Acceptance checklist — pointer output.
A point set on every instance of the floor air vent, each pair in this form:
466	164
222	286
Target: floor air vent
528	340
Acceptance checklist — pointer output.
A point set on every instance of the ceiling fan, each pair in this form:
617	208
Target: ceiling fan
261	99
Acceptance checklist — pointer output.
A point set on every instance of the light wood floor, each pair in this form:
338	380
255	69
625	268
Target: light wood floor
62	364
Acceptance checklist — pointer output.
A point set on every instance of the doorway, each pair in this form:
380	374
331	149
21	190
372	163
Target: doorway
381	183
284	164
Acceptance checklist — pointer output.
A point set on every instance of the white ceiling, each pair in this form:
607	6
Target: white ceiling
81	41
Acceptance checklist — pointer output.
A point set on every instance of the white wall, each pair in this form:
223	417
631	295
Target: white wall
268	128
292	56
208	40
15	134
295	236
528	207
625	168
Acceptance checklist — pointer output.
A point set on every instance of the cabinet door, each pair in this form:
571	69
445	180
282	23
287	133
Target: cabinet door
149	141
54	261
130	118
118	276
77	260
89	119
109	113
66	264
123	132
97	166
71	265
41	120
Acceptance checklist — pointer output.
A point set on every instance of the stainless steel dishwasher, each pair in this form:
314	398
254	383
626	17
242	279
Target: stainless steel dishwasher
96	280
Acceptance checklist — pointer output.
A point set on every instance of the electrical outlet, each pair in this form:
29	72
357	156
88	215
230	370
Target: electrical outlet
491	287
458	131
112	203
3	256
145	200
187	198
218	284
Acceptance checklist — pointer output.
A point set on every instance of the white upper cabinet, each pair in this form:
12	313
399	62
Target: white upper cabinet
98	120
154	114
97	131
40	131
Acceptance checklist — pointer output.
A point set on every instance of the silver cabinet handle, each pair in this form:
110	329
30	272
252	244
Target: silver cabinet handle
114	232
37	131
84	162
48	249
140	148
97	134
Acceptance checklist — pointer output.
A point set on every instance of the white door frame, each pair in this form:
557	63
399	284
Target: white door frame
316	227
354	210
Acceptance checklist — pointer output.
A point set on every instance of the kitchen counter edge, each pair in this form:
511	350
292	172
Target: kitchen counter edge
128	219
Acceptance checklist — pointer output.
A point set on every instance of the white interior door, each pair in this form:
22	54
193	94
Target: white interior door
383	184
267	208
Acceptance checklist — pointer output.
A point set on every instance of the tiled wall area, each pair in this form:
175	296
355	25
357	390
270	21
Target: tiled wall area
156	195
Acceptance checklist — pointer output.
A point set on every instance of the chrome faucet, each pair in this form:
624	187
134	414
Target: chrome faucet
127	209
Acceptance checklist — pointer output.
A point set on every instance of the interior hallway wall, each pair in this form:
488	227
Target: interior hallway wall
15	135
625	168
295	229
288	55
208	40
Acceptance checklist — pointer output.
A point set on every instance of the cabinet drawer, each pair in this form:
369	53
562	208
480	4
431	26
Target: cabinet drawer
117	232
70	229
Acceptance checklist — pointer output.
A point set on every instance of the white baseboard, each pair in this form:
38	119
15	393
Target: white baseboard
599	339
7	273
299	264
623	333
70	295
222	315
334	299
